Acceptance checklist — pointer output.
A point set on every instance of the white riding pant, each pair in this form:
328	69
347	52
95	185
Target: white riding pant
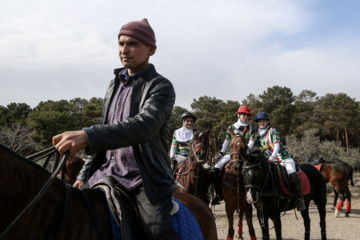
289	164
225	159
179	159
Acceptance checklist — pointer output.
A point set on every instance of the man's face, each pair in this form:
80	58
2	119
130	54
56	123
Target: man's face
134	55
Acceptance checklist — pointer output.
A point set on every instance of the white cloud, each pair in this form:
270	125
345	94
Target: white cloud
229	49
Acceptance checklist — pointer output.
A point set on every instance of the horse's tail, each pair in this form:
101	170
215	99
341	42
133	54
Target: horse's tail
351	175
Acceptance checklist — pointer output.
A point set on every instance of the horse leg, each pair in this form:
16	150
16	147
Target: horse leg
339	205
335	199
240	224
230	215
321	206
277	225
307	221
264	223
348	204
248	215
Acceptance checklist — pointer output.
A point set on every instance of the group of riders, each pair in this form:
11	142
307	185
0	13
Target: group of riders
267	139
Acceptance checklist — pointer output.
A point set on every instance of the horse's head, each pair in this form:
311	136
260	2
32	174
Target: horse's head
73	167
200	145
238	151
252	174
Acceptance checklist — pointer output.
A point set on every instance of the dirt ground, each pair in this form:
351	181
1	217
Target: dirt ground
336	228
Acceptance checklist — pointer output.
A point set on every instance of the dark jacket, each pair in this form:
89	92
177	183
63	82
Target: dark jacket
146	130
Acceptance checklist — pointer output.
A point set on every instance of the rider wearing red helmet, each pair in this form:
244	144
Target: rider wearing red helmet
238	127
268	140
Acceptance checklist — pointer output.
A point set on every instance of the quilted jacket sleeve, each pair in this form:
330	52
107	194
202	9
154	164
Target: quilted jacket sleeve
157	102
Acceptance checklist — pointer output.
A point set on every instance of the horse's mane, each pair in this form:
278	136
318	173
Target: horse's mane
25	160
256	155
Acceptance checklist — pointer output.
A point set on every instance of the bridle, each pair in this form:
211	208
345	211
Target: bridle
199	162
260	189
246	168
236	177
198	154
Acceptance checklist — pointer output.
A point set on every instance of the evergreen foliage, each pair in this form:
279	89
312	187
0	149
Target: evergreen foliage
310	146
309	125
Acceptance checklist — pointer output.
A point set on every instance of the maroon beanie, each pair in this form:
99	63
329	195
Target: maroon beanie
140	30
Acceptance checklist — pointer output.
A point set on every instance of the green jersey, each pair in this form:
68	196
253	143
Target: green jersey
183	148
266	143
249	135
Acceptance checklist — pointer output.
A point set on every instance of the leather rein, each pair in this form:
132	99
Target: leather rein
198	161
237	178
42	154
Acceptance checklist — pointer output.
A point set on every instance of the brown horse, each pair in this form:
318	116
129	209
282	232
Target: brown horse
202	213
233	187
73	167
62	212
338	174
191	176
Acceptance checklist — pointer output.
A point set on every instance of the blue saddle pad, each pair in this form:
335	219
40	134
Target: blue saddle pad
184	223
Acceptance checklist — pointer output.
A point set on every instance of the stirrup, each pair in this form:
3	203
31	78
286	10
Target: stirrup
300	205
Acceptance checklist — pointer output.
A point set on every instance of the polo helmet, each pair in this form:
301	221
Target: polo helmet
244	109
186	115
262	115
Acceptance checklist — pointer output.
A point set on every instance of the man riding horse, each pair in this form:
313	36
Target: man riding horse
130	144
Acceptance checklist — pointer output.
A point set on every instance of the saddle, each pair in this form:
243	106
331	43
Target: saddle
123	210
285	183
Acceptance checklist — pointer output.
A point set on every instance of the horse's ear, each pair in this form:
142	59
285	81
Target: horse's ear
194	130
208	131
232	132
244	132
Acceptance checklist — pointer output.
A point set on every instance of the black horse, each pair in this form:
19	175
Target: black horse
36	205
262	184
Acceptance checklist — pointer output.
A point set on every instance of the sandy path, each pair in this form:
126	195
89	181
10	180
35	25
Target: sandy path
337	228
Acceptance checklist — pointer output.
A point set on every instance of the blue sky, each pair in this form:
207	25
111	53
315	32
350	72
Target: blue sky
53	50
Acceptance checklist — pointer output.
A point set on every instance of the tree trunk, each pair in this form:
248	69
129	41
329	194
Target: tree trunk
347	143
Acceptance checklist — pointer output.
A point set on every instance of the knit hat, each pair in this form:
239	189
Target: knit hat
140	30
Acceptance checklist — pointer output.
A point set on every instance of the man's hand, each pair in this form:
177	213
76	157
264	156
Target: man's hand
72	141
78	184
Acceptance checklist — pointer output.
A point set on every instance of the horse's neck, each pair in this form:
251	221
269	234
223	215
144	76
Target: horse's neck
269	174
20	182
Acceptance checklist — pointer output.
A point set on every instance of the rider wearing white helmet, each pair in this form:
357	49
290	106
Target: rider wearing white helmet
238	128
268	140
182	139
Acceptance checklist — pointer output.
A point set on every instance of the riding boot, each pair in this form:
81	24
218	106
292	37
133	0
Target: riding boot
215	177
173	165
296	181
